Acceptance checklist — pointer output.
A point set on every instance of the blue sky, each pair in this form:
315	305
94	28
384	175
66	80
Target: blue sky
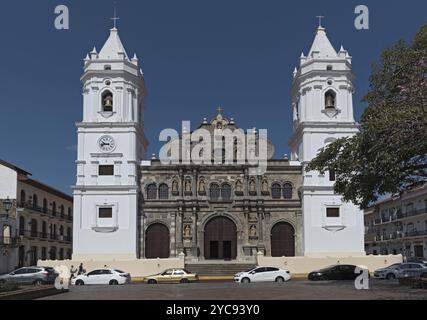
195	54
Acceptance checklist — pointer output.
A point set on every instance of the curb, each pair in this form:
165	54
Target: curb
31	294
211	278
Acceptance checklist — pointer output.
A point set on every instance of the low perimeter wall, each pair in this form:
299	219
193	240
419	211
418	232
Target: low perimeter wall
304	265
136	268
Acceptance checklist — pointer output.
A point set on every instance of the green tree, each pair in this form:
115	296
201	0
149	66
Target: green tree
390	152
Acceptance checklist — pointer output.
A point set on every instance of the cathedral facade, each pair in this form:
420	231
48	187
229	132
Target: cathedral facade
127	207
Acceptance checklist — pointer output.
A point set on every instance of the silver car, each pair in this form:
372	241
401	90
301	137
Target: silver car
30	275
388	273
414	270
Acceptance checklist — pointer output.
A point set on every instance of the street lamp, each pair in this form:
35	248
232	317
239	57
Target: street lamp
7	204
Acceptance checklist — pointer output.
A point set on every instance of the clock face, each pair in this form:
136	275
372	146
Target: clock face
107	144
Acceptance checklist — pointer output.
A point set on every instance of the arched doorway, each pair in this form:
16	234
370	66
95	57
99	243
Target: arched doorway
282	240
220	239
157	244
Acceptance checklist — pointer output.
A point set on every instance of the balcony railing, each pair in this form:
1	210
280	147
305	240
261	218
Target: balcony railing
399	215
44	236
50	212
9	241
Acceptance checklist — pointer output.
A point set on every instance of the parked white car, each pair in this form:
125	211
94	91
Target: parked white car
102	277
263	274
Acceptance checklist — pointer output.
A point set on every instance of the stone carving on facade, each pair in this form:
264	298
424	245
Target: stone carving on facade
187	232
188	189
252	187
175	187
202	187
239	187
264	188
253	234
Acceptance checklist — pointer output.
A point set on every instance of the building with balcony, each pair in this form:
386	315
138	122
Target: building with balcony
398	225
38	226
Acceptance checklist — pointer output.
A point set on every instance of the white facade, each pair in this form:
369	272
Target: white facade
323	112
398	224
111	144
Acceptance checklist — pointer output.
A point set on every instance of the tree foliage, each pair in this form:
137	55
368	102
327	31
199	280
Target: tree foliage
390	152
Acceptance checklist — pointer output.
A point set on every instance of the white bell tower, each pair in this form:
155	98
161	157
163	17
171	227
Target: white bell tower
111	144
322	102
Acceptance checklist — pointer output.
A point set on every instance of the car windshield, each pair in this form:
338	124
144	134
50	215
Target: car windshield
394	265
250	269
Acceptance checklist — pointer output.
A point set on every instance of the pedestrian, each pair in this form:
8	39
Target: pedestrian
81	270
73	272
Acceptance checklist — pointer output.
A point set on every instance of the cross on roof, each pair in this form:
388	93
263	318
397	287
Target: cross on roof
320	20
115	18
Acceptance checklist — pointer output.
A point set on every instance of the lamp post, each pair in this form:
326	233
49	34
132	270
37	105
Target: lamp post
7	204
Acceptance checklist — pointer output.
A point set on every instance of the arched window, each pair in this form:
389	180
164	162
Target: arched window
68	234
287	191
34	228
45	205
152	192
214	191
61	209
21	226
107	101
23	197
225	191
7	235
330	99
163	191
70	215
276	191
54	208
35	201
44	230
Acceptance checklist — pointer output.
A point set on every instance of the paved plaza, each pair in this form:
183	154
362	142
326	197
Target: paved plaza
293	290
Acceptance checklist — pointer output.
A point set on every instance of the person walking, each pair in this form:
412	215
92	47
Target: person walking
73	272
81	270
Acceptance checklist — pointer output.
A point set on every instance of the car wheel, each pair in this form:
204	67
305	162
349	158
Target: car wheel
280	279
152	281
390	276
184	281
38	282
323	278
80	283
246	280
113	283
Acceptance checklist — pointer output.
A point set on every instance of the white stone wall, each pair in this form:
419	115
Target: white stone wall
305	265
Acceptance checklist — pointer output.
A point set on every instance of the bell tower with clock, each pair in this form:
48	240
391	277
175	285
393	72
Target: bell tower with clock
111	145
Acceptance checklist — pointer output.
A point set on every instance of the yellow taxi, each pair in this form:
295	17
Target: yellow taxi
172	276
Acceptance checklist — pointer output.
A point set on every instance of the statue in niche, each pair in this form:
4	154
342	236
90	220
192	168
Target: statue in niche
253	231
202	186
175	187
252	186
187	231
239	186
188	188
264	186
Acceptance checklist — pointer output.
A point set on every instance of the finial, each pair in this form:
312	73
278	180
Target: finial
320	21
205	120
219	109
115	18
302	54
